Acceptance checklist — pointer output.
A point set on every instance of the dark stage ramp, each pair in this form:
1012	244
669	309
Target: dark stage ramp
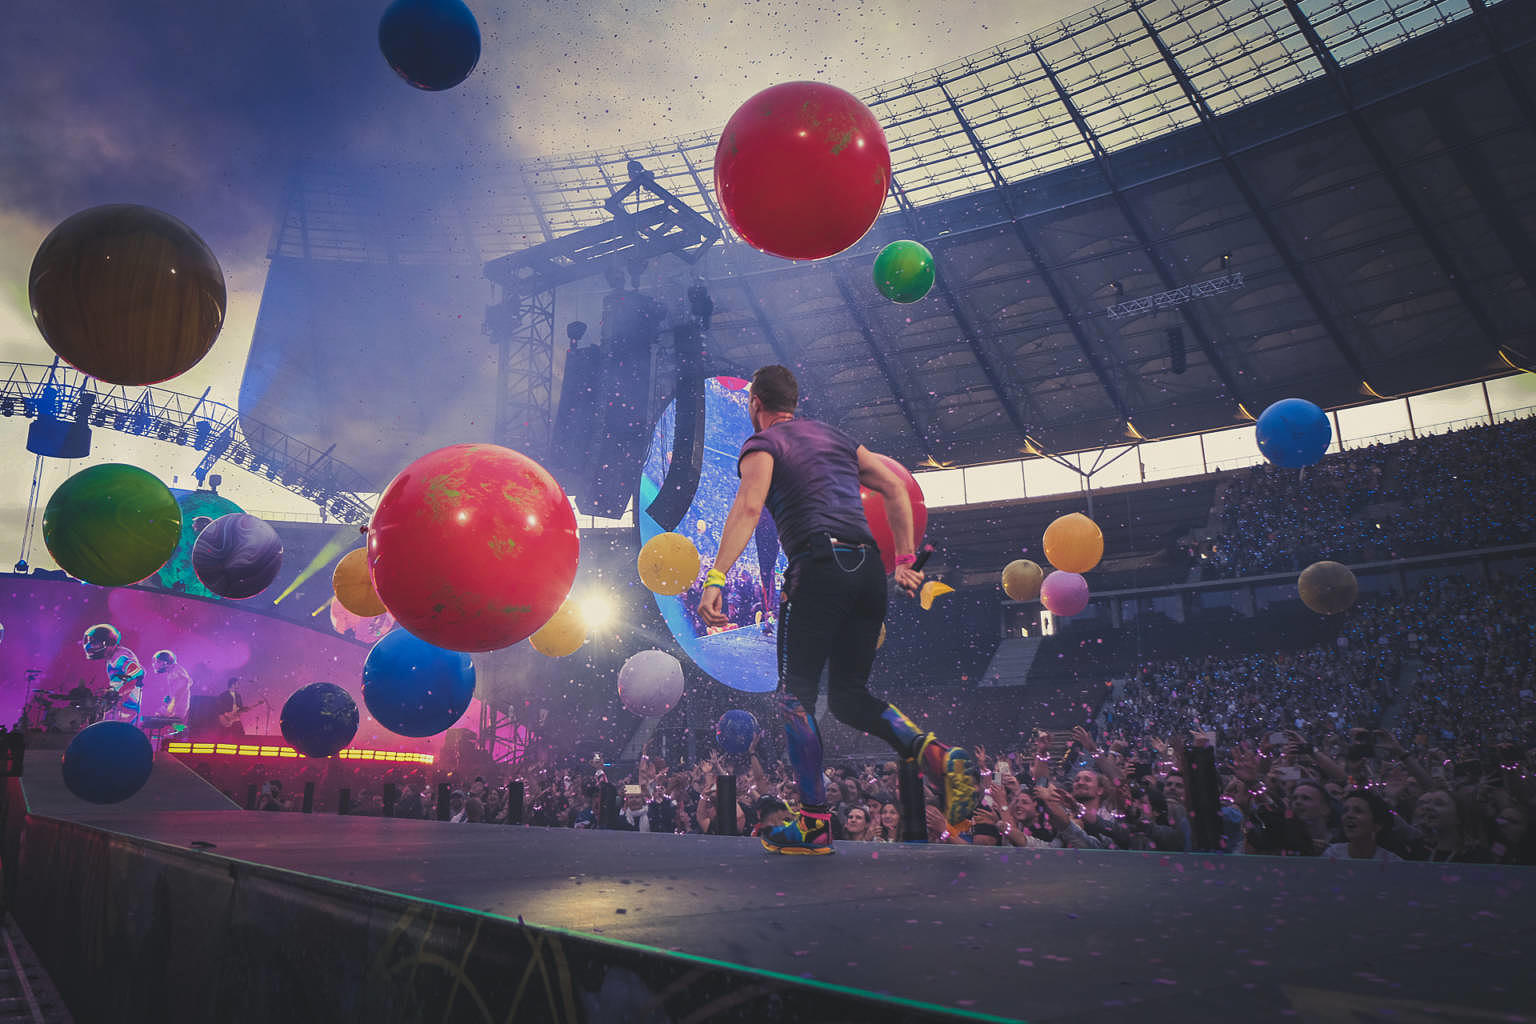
172	786
1020	935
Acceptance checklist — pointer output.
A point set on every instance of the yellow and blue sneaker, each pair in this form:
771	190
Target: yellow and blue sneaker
955	769
806	833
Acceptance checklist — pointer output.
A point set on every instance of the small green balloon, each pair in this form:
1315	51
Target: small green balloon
111	524
904	271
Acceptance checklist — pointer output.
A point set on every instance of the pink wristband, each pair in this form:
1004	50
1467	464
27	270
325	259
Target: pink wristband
905	559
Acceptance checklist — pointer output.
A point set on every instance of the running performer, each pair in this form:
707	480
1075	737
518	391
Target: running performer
833	602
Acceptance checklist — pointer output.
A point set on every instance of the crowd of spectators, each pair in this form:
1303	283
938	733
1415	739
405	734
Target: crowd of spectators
1356	792
1408	734
1412	735
1467	489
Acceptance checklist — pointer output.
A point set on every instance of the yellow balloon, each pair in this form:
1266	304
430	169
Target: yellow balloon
669	563
354	588
1074	543
931	590
1327	587
1022	579
563	634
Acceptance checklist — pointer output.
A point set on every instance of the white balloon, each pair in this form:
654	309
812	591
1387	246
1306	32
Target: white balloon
650	683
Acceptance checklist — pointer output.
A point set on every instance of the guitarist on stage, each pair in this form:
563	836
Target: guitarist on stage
231	708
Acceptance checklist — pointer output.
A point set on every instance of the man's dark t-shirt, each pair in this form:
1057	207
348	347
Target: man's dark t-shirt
815	486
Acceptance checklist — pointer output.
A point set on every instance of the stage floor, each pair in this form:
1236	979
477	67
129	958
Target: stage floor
1039	936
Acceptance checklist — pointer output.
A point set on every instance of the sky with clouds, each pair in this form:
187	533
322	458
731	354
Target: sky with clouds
204	109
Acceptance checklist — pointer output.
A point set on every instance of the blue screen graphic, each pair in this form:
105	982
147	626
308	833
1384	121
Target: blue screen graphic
744	655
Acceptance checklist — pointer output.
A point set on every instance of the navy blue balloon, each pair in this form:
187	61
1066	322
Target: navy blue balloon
432	44
1293	433
735	731
108	762
320	719
414	688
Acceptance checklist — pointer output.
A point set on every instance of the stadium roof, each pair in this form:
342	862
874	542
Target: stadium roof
1301	197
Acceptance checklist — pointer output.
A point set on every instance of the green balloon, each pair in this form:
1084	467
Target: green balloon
904	271
111	524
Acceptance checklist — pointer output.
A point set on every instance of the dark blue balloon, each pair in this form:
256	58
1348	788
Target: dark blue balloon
1293	433
735	731
414	688
108	762
319	719
432	44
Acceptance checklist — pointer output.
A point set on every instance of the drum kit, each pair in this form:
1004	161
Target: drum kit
49	711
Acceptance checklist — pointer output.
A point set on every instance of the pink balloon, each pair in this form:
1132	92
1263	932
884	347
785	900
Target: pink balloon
1064	593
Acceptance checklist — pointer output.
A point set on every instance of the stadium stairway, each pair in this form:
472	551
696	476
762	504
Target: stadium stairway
637	742
1403	688
1011	663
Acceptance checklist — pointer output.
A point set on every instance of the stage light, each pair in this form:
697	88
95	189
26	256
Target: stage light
700	304
597	610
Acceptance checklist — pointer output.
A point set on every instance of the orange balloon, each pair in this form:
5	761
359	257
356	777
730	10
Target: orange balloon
353	587
563	634
1074	543
668	563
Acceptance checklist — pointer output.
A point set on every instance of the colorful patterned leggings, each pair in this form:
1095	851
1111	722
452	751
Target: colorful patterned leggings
830	618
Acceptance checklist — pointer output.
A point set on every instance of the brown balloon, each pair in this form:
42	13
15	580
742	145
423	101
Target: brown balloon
1327	587
127	294
353	586
1022	579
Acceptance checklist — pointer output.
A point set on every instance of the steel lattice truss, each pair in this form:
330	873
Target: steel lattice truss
215	430
1175	297
1368	165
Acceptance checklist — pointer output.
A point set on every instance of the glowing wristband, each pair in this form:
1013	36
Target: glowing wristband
714	578
905	559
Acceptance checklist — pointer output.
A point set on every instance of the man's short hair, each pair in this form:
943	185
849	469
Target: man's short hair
776	388
769	804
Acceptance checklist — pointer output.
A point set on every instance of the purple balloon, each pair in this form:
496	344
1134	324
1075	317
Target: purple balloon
237	555
1064	593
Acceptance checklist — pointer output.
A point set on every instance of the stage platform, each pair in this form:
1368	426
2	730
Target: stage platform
939	931
172	786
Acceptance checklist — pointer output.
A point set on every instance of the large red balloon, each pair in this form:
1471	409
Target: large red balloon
802	170
473	547
874	511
